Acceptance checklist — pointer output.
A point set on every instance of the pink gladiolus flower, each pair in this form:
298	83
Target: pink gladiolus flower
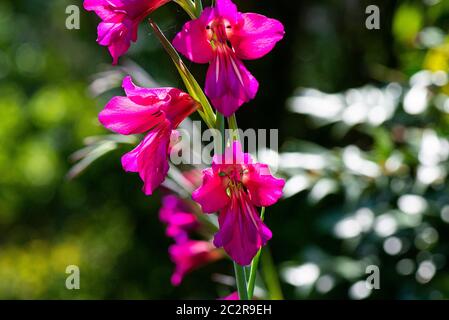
223	37
120	21
178	217
234	186
189	256
155	111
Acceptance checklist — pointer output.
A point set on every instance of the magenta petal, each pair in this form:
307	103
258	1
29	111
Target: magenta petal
121	19
144	108
189	256
242	233
176	104
117	49
169	206
132	8
192	41
233	154
212	194
228	83
226	9
179	224
232	296
149	158
264	190
129	160
144	96
116	36
256	36
101	8
123	116
108	32
176	214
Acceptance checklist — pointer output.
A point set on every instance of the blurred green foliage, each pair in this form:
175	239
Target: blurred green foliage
337	218
375	178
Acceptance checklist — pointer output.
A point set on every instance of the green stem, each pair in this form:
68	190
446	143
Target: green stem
220	123
232	122
198	7
254	265
240	279
270	276
252	275
189	8
193	8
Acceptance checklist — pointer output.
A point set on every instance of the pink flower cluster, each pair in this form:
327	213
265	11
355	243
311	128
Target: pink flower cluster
234	186
186	254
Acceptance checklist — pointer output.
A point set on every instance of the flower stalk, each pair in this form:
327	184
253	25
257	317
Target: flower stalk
221	37
232	122
240	273
198	7
245	290
190	8
254	265
240	278
270	276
